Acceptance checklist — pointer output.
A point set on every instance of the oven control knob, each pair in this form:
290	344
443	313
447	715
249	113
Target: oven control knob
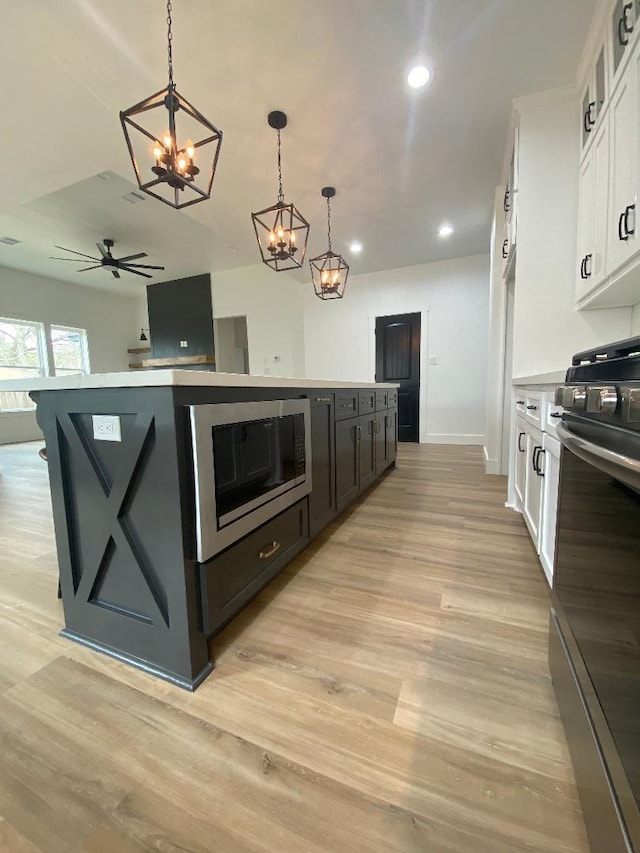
574	398
602	400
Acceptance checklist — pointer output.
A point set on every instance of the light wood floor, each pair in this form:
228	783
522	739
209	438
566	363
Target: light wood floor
388	692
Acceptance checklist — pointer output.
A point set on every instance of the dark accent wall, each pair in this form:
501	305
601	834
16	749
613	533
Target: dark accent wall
181	311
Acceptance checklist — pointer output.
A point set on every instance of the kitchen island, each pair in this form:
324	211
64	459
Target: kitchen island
128	509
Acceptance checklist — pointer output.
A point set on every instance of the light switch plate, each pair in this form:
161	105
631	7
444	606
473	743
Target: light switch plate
434	360
184	343
106	427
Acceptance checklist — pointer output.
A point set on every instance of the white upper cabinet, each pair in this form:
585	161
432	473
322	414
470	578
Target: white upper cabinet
608	245
623	241
593	214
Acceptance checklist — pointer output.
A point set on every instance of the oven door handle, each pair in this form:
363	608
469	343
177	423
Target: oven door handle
617	465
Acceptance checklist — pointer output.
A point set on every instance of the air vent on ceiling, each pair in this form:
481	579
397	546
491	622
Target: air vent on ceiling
9	241
134	197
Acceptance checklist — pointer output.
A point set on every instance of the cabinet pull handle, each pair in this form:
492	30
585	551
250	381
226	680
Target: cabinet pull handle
534	457
505	203
556	414
587	272
505	251
346	405
582	272
520	448
539	470
270	550
622	39
322	400
532	408
621	236
627	27
589	120
629	209
520	402
357	433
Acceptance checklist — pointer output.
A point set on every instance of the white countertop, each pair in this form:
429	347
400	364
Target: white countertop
193	378
554	377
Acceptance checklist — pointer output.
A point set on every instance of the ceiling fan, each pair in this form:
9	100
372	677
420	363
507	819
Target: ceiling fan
107	262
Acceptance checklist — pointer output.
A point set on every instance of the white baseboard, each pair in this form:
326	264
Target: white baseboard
491	466
453	439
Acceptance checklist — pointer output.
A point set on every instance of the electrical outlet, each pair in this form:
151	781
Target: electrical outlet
184	344
106	427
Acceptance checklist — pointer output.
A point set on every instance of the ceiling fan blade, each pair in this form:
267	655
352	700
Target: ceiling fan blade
115	273
133	257
143	266
135	272
75	260
84	269
73	251
104	252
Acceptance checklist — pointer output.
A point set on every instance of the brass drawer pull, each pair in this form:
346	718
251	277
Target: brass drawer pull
270	551
346	405
323	399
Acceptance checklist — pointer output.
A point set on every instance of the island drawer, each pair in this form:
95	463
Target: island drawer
382	400
346	404
367	402
232	579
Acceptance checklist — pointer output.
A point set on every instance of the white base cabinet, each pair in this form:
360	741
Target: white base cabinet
535	468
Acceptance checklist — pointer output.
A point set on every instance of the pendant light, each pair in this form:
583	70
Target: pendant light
329	271
281	230
177	169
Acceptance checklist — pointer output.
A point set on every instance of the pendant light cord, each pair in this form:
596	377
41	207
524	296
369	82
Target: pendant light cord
329	222
280	193
169	43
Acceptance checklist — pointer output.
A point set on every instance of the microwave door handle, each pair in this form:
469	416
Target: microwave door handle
614	464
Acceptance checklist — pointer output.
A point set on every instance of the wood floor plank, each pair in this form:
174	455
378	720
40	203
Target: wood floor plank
388	692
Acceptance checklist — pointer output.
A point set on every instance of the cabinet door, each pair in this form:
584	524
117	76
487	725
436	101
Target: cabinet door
622	231
520	444
347	462
322	500
591	265
550	465
391	430
533	486
367	440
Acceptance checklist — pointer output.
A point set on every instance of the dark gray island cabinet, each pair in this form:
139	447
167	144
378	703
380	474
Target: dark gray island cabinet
128	468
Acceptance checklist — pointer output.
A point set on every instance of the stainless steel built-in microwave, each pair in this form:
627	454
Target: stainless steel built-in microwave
250	462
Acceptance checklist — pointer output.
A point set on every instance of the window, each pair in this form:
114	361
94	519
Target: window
32	349
69	348
22	354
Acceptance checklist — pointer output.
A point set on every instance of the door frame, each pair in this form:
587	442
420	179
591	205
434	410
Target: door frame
423	311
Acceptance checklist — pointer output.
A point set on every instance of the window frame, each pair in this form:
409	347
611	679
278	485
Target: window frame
84	349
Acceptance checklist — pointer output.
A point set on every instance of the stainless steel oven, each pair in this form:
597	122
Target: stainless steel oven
250	462
594	650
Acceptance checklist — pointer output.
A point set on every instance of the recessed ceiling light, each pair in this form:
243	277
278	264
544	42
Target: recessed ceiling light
445	231
418	76
355	247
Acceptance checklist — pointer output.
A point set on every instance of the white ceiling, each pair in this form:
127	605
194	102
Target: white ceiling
402	160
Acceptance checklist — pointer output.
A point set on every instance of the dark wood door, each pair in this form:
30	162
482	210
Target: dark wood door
347	462
398	360
322	500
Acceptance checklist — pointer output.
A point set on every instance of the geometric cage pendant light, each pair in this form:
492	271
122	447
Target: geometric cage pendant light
281	230
329	271
173	148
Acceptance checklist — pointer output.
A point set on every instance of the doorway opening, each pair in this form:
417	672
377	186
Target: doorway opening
231	344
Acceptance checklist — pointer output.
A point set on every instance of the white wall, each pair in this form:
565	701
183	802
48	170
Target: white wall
547	328
453	298
112	322
635	320
272	304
